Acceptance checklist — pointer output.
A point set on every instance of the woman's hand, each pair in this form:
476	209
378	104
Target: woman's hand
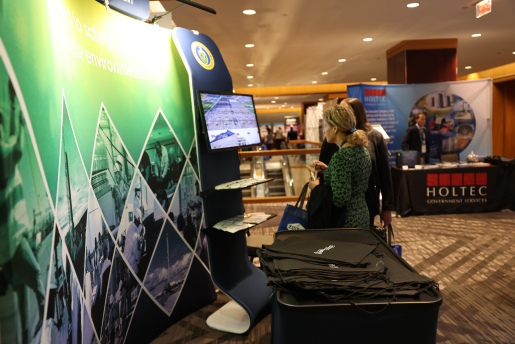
313	183
320	167
386	215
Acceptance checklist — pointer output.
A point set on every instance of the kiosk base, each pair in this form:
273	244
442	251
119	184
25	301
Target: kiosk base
230	318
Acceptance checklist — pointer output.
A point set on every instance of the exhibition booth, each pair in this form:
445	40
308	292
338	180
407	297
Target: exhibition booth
120	159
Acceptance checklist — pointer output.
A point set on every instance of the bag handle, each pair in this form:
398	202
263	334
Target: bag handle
302	196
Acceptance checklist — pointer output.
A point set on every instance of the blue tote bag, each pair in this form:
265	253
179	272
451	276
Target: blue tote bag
295	217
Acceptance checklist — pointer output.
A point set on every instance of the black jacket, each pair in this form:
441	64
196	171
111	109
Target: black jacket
321	211
412	141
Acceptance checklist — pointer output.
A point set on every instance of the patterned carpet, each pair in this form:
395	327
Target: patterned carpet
472	256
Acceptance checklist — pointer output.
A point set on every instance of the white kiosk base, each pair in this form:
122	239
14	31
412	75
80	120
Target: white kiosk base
230	318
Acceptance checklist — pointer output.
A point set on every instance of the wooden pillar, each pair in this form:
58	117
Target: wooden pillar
422	61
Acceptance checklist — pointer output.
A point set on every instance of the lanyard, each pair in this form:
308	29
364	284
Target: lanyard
344	142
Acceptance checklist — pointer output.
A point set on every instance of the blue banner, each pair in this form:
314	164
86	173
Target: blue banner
457	114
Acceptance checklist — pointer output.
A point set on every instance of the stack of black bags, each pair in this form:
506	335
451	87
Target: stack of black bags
337	270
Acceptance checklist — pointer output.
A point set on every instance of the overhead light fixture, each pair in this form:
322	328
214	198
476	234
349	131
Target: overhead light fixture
278	97
325	73
468	67
250	77
291	107
249	12
285	103
250	65
313	82
476	35
250	85
233	91
413	5
342	60
273	101
249	45
367	39
373	79
320	100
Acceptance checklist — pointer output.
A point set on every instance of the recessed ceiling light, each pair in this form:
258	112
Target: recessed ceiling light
273	101
514	52
250	85
276	98
367	39
250	65
249	45
468	67
233	91
325	73
476	35
250	77
373	79
342	60
285	103
413	5
249	12
313	82
320	100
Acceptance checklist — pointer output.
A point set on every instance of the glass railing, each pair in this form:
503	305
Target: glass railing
289	167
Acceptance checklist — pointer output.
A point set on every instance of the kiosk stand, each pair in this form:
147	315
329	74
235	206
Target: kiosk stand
231	270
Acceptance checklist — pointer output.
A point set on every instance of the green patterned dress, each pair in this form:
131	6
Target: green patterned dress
347	175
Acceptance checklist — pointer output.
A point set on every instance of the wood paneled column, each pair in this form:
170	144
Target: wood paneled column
422	61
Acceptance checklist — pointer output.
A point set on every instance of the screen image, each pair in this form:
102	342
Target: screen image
230	120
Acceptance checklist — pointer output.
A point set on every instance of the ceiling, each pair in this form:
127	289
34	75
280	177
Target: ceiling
296	40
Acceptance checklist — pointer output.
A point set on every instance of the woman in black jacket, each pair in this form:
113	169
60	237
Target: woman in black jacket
380	178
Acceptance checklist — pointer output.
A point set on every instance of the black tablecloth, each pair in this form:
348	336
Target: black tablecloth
453	190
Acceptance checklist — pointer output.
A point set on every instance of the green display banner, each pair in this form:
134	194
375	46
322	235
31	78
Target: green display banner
99	185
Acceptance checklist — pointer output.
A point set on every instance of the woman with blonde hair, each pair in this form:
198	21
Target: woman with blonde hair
349	169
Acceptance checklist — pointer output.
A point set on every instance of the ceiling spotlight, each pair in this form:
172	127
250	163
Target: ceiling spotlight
320	100
476	35
367	39
250	77
250	85
276	97
373	79
273	101
413	5
285	103
342	60
250	65
249	45
233	91
325	73
468	67
313	82
249	12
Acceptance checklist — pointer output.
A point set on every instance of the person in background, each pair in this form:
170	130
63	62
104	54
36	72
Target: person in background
416	137
164	164
349	169
278	137
380	181
269	138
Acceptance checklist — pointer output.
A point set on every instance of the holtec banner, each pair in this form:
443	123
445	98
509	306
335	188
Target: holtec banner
457	114
99	208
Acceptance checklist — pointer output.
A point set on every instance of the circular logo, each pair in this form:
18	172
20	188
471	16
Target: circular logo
450	120
202	55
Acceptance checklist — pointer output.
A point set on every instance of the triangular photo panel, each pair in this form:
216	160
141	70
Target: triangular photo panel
162	161
99	257
27	218
72	195
186	208
169	268
112	170
201	249
142	221
88	333
193	157
64	307
122	295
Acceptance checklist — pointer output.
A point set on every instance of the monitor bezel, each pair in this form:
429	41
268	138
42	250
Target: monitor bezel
204	125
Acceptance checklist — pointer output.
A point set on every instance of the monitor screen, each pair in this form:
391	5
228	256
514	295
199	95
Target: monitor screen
229	120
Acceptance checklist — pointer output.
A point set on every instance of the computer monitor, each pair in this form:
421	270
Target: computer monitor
409	158
229	120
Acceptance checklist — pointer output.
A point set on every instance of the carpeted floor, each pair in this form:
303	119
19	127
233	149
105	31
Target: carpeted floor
472	256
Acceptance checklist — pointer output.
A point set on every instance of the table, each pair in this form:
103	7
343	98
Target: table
300	319
453	190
